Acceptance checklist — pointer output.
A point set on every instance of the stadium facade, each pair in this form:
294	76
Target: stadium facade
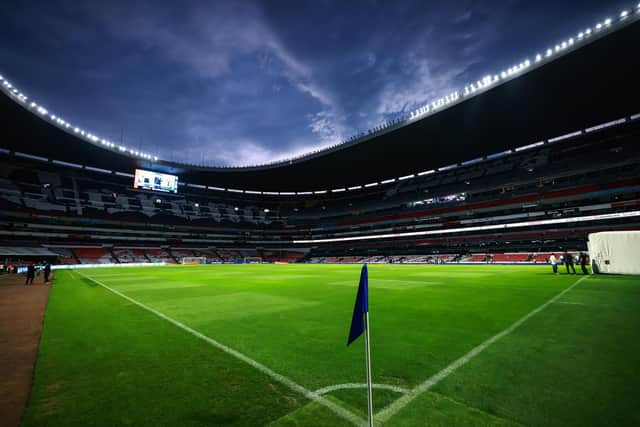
510	168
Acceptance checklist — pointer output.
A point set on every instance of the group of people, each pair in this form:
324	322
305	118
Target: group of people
31	269
568	260
31	273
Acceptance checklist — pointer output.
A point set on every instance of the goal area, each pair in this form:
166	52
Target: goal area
190	260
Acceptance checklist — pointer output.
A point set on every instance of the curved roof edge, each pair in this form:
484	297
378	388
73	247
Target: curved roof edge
472	90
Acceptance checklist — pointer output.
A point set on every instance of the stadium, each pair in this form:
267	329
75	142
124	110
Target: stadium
187	294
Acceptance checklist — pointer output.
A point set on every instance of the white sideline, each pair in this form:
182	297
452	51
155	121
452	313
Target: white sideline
337	409
384	415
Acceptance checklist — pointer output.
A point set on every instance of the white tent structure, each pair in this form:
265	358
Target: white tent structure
615	252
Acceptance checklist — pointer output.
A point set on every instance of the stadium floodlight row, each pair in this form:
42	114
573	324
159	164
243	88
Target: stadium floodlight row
578	219
470	90
591	129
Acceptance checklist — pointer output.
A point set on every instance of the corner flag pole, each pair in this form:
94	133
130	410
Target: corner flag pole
368	351
360	325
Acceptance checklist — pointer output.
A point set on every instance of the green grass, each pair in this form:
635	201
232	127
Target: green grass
105	361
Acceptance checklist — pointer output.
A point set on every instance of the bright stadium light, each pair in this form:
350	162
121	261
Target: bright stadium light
428	108
587	218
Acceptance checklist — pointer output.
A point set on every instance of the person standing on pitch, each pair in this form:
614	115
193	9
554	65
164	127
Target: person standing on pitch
568	262
31	274
554	263
583	262
47	272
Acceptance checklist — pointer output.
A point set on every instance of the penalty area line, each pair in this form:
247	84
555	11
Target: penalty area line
313	396
385	414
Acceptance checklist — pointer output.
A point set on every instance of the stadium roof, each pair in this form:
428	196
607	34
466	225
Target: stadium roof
587	86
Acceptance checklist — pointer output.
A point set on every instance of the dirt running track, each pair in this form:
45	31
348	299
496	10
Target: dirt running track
21	317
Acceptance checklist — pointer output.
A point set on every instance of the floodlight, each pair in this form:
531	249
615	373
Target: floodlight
538	58
623	14
197	205
598	26
266	210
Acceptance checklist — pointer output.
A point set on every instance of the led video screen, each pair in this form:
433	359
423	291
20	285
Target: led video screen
148	180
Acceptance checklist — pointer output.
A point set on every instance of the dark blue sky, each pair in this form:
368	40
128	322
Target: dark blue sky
243	82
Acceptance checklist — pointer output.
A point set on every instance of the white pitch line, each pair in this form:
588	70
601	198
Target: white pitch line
337	409
570	303
335	387
384	415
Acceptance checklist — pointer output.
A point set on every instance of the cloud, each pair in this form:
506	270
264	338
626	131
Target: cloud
327	128
243	83
208	39
417	85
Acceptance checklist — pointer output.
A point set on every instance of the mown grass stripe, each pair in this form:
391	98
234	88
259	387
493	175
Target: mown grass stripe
335	408
388	412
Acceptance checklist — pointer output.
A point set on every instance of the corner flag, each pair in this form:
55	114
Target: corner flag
361	307
360	324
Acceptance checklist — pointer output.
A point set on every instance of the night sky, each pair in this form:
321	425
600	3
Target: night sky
242	82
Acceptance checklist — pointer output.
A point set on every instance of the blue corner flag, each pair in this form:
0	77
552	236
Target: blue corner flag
361	307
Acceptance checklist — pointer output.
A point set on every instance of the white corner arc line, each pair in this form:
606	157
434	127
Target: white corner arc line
335	387
334	407
386	413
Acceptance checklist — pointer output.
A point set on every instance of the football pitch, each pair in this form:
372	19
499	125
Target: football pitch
451	345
